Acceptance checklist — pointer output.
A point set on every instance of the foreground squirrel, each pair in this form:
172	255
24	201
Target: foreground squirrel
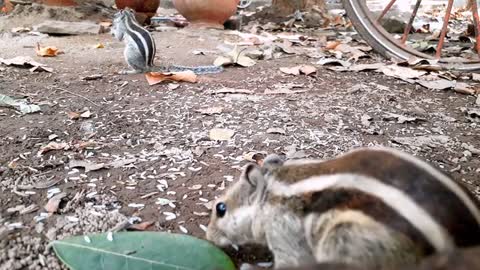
140	47
374	208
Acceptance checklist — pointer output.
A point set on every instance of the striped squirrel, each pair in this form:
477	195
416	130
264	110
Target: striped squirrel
140	47
371	207
459	259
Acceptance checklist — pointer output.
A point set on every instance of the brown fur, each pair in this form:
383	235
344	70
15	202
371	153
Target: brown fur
388	168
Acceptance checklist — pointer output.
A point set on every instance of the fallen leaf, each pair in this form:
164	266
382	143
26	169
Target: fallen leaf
304	69
86	114
332	44
236	56
52	146
54	202
307	70
88	166
46	51
356	53
218	134
464	88
73	115
140	226
400	118
223	61
25	61
333	61
403	73
211	110
154	78
291	71
99	46
440	84
173	86
19	104
120	163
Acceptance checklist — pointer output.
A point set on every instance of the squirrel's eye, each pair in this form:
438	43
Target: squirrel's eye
221	209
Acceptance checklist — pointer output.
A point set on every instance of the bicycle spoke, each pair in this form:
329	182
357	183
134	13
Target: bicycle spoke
444	29
385	11
476	24
408	28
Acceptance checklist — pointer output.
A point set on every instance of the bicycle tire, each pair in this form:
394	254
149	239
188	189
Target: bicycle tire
385	44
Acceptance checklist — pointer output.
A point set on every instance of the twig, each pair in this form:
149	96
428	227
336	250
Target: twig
16	184
75	94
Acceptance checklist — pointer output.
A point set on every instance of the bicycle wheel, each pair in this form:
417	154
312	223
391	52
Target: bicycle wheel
386	44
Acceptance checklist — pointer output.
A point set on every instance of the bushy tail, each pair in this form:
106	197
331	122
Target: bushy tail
197	70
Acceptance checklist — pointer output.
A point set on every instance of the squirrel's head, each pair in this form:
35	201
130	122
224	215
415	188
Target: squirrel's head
234	213
120	20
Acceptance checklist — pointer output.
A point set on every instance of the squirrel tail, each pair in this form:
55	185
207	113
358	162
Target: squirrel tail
198	69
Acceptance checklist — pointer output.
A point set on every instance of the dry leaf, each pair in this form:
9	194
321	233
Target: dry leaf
88	166
440	84
46	51
54	202
403	73
218	134
141	226
236	56
25	61
159	77
99	46
52	146
332	45
307	70
73	115
292	71
223	61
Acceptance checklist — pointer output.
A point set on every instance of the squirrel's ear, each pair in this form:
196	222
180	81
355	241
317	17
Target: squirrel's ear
253	175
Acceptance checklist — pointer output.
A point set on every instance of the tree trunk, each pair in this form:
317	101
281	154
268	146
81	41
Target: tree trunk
287	7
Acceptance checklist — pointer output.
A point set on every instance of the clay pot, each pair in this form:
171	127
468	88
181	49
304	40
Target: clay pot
206	13
145	9
7	7
62	3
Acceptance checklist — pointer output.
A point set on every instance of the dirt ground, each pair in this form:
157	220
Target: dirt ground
163	134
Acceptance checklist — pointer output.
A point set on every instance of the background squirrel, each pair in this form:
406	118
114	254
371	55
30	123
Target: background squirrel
375	208
140	47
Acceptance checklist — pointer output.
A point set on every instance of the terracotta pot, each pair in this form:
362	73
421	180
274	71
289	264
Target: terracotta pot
206	13
7	7
65	3
145	9
147	6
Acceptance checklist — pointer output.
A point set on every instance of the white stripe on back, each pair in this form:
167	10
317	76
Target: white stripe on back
139	35
391	196
450	184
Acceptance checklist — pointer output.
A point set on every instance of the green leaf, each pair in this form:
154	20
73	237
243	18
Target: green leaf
139	251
